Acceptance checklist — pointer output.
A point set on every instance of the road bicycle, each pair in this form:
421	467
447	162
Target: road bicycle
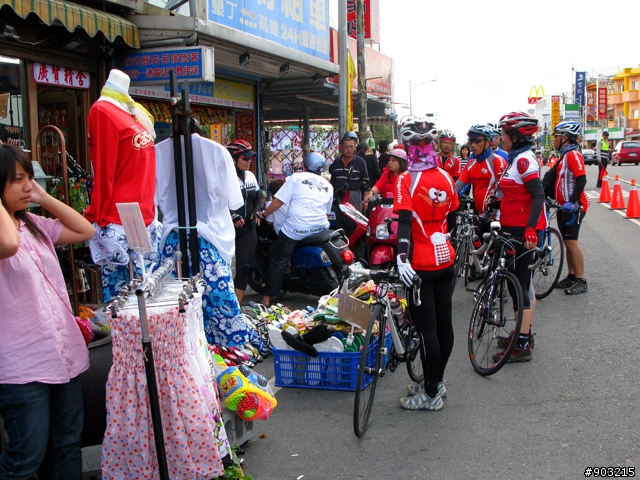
462	241
498	304
547	274
404	346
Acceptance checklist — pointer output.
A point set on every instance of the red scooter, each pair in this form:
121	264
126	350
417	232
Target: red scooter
355	226
382	237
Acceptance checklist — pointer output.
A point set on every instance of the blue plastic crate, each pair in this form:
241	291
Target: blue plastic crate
327	371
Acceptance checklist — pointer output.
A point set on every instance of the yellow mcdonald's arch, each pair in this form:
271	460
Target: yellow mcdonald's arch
536	93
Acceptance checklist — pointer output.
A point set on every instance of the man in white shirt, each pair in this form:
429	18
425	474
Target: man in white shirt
308	197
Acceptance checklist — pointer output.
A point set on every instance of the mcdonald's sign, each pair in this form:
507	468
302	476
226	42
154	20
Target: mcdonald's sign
536	94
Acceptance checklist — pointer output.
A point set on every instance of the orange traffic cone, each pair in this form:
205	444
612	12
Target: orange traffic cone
605	193
617	202
633	210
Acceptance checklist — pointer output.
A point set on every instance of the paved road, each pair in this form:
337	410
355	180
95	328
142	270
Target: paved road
575	405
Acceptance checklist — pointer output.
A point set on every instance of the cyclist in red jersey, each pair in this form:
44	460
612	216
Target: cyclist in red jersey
483	170
570	182
425	195
522	214
446	159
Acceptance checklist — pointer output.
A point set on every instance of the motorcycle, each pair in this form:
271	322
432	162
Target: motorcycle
316	265
382	237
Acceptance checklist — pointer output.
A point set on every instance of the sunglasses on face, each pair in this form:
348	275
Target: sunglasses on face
476	140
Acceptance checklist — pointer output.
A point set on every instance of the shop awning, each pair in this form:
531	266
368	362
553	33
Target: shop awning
72	15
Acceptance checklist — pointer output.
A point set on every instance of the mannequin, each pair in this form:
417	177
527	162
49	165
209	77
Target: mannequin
121	147
120	81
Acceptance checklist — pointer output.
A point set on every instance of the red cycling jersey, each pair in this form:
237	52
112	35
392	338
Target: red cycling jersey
571	166
429	196
484	177
515	205
451	165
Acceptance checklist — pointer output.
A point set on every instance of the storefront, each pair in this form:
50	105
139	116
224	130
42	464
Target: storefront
54	61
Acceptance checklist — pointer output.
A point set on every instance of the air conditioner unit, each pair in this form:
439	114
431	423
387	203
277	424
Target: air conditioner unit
624	122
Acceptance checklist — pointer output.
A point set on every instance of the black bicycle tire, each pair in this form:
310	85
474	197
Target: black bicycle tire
499	278
467	266
413	355
462	253
360	422
547	292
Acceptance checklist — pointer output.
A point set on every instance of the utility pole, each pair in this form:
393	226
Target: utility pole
363	131
343	88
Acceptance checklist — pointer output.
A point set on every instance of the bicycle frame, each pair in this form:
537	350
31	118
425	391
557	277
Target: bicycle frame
383	299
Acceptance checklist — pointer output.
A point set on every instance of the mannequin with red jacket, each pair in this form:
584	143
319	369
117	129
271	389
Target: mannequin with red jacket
121	148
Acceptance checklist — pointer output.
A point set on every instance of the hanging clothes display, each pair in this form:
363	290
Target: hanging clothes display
121	140
216	192
194	436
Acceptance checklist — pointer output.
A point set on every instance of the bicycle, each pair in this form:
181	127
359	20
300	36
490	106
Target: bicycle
546	275
463	240
404	347
495	319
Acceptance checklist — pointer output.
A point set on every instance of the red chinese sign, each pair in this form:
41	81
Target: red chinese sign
62	76
602	100
371	19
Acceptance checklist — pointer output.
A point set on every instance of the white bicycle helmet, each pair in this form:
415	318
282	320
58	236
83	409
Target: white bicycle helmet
569	128
448	135
415	129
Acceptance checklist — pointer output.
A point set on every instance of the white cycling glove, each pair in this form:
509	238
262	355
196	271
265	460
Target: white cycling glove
404	269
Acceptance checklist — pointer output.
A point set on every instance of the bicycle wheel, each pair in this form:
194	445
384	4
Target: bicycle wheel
369	370
492	321
412	348
548	273
459	266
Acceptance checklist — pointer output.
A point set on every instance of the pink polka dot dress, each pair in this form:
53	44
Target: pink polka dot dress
194	435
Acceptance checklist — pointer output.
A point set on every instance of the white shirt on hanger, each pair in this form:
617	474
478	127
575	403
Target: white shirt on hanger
217	192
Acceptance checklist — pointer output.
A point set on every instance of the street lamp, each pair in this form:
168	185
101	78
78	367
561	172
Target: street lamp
411	89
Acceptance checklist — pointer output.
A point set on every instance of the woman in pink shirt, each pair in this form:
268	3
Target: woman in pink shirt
42	351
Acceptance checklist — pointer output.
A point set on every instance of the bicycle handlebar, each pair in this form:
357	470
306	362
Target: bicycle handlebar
388	275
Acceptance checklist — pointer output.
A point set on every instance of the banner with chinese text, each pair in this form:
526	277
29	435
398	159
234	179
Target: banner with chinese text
371	19
555	111
64	77
299	24
602	100
153	65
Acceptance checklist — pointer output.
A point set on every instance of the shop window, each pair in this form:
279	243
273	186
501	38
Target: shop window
11	104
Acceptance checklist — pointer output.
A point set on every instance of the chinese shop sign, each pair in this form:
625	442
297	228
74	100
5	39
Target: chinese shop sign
64	77
153	65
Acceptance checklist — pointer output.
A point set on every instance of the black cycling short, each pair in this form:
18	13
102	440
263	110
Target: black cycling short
524	258
569	232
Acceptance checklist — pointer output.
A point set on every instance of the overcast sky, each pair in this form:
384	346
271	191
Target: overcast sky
485	56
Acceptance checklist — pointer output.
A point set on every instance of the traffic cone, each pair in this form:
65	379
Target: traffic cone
605	193
633	210
617	202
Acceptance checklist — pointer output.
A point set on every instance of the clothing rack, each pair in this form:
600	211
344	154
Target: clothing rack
177	133
145	289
